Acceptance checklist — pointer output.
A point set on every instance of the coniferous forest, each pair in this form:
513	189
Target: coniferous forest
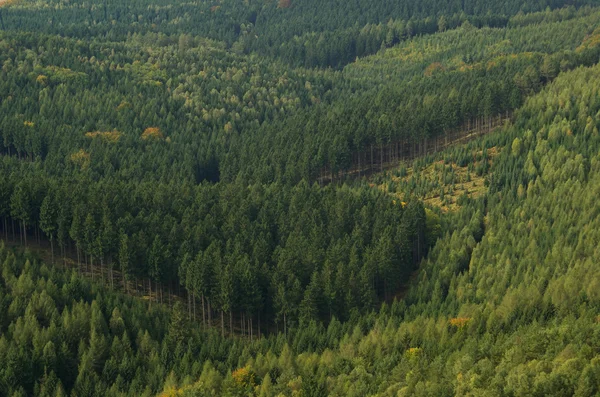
299	198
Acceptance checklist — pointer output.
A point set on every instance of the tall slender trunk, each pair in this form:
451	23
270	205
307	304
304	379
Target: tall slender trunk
78	261
102	268
209	312
189	296
203	314
231	321
52	249
222	324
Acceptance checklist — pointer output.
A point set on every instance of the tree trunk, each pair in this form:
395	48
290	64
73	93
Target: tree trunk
101	268
189	306
78	261
203	314
222	324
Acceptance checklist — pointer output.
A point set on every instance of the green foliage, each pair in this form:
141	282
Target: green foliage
189	145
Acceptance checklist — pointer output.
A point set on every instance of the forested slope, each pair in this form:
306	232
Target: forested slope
506	303
185	144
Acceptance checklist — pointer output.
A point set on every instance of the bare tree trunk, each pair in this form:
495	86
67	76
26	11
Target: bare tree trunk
78	261
189	306
222	324
209	312
203	314
102	268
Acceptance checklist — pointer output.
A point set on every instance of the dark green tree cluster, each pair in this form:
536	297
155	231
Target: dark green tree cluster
267	252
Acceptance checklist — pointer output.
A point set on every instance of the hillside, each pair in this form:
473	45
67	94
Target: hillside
261	198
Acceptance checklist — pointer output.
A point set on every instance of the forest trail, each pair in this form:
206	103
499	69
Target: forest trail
464	134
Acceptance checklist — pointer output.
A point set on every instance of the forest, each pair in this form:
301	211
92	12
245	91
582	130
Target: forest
299	198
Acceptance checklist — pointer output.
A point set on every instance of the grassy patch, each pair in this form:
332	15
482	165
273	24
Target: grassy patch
442	183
